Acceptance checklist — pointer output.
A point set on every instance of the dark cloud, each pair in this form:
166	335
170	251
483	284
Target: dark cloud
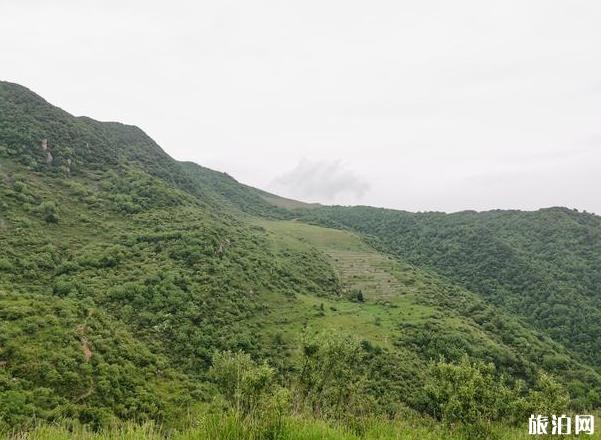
321	180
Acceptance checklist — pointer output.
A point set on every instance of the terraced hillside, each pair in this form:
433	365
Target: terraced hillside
359	267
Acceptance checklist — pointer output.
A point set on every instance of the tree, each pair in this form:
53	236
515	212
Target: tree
469	394
547	396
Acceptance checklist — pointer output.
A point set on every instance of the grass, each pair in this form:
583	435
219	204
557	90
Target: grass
222	427
358	265
391	289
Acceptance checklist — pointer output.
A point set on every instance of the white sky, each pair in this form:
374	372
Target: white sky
417	105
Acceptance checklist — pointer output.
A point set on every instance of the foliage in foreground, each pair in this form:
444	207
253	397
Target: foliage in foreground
230	427
469	400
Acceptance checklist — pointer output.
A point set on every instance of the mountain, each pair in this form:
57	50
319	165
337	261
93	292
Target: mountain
124	271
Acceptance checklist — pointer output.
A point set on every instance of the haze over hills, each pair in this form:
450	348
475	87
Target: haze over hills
123	271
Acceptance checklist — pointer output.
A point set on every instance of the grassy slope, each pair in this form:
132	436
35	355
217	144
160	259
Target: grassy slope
412	313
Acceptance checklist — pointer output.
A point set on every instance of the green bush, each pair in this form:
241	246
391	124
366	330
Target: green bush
49	211
251	392
332	380
246	385
472	394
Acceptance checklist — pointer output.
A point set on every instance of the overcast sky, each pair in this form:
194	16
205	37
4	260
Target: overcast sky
417	105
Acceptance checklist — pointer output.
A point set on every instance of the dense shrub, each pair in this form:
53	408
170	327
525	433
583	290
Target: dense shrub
49	211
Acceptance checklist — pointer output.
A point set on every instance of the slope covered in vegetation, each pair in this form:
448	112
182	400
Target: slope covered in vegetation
130	236
542	266
418	312
135	287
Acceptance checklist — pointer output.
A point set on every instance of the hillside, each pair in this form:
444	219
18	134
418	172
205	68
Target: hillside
130	235
542	266
126	275
418	312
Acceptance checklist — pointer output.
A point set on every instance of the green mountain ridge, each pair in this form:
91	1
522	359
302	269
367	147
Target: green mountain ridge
123	270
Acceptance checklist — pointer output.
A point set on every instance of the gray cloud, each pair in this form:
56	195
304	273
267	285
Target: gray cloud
328	181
